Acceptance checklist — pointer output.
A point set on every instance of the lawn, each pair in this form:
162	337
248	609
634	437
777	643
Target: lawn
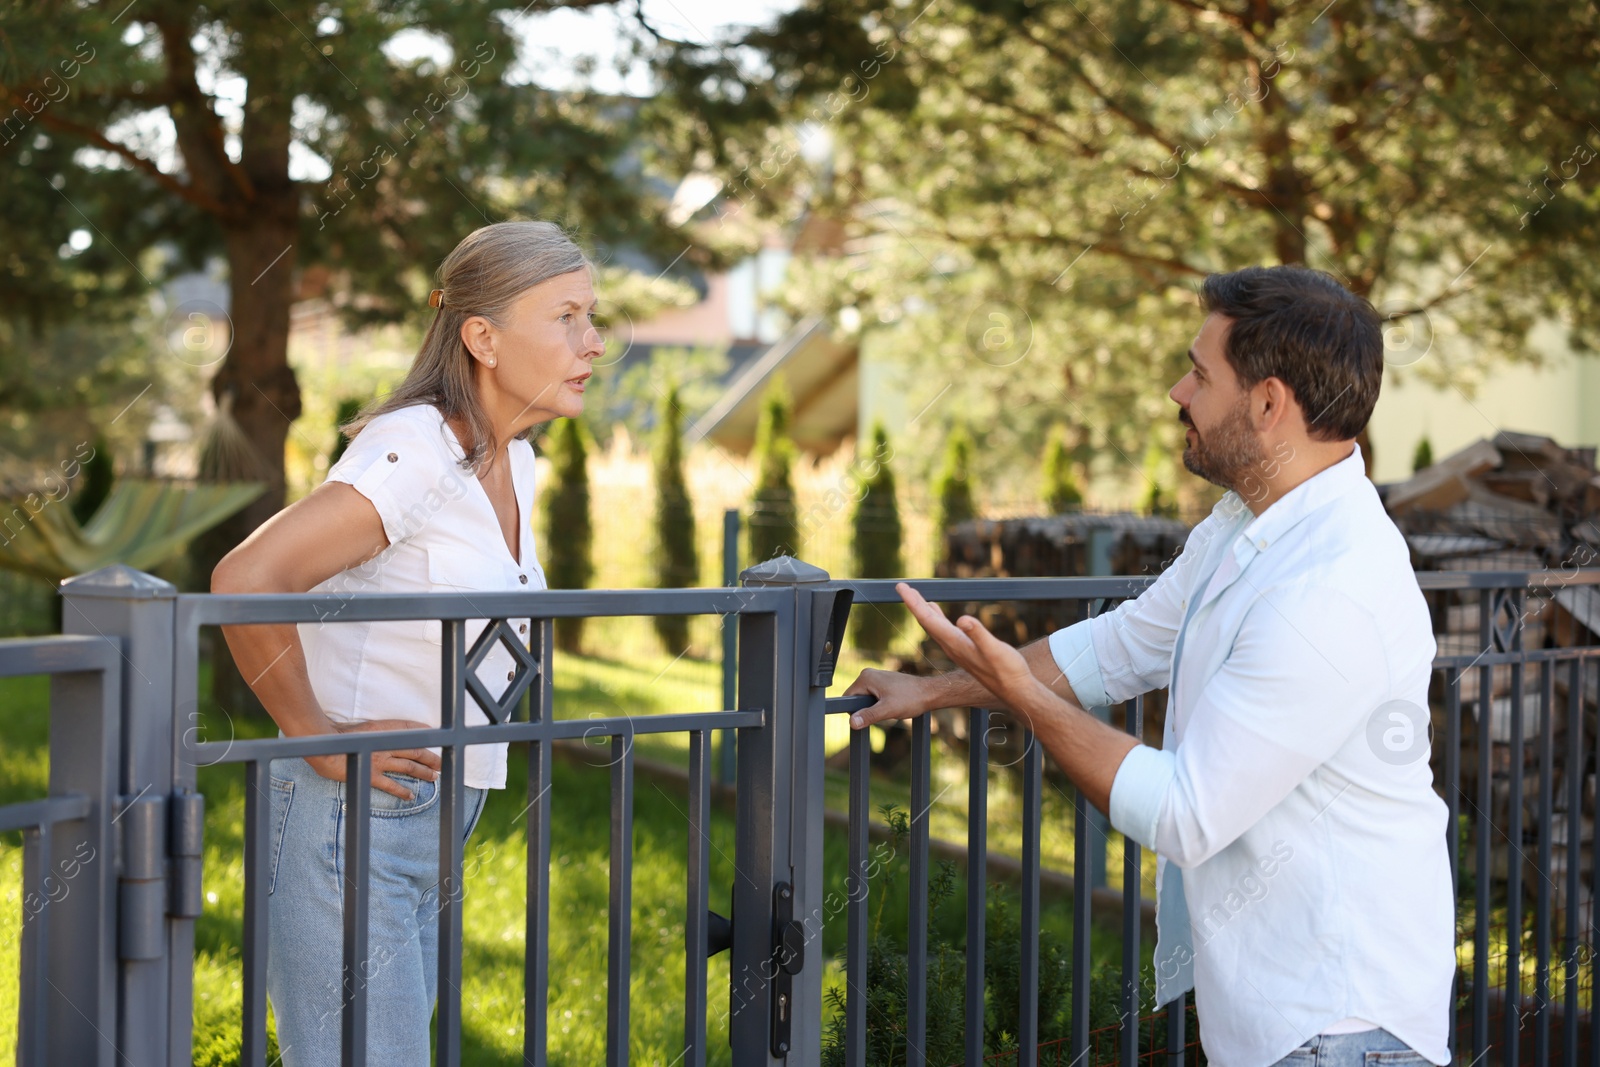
629	677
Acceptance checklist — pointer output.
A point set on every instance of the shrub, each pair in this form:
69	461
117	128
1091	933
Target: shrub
569	531
887	973
875	545
953	488
1423	457
676	562
773	519
1059	489
887	985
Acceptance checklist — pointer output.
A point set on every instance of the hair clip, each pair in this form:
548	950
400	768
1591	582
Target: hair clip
436	298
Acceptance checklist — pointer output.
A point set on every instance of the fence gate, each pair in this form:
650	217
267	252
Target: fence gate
112	856
125	814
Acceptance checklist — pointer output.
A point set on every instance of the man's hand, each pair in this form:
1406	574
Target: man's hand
1090	751
990	662
900	696
995	665
416	762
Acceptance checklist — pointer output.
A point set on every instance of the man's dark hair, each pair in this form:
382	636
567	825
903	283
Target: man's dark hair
1301	326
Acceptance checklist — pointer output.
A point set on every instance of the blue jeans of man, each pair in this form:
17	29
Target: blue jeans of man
305	943
1364	1048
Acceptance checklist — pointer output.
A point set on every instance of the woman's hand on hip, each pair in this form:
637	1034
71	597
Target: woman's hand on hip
415	762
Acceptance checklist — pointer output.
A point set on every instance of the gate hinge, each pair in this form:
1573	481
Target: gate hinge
159	846
788	958
141	882
186	840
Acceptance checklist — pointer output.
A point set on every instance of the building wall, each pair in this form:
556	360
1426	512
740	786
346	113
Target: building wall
707	323
1559	400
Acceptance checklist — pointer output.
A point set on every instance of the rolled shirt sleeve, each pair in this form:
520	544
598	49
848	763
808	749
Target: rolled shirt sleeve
404	475
1073	649
1305	673
1137	791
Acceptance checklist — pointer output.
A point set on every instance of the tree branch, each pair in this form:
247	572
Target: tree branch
1097	244
200	133
1211	14
1242	193
97	139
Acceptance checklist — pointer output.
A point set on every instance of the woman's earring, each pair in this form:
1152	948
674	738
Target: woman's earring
491	363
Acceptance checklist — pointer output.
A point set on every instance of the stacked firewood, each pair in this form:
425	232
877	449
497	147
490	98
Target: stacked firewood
1516	501
1075	544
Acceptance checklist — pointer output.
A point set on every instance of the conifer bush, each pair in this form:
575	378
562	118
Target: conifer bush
1423	457
876	545
1060	489
953	488
676	561
773	523
568	551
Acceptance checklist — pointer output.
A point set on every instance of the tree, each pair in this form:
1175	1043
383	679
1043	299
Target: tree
304	135
1423	456
1076	169
676	561
1060	489
875	545
953	489
569	528
773	523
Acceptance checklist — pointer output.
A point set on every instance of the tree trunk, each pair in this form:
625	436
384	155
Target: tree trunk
257	387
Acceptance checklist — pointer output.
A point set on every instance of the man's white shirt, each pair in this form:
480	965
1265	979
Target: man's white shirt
1302	873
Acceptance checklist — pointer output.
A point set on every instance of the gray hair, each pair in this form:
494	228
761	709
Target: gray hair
484	275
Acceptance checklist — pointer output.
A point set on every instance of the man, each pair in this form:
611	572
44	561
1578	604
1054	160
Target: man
1303	884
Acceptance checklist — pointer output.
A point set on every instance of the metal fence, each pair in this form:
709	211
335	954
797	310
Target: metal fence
106	969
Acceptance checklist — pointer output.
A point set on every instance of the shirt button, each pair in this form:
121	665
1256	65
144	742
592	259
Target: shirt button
511	676
522	629
1262	544
393	458
523	578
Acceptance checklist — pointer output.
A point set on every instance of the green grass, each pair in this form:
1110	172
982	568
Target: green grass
638	684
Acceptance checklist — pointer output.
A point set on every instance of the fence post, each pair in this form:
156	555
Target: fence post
778	907
1101	542
730	644
71	922
155	975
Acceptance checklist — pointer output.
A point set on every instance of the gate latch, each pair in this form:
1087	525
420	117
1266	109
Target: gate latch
830	611
788	957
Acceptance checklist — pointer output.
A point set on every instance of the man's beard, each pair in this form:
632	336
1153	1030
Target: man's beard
1227	452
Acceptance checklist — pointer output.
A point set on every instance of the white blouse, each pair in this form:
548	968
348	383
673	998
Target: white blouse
444	536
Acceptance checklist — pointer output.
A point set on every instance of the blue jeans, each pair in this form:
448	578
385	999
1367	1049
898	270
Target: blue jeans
1365	1048
305	943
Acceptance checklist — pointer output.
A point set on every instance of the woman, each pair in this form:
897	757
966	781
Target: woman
434	494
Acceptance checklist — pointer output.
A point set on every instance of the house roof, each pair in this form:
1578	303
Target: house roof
822	374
